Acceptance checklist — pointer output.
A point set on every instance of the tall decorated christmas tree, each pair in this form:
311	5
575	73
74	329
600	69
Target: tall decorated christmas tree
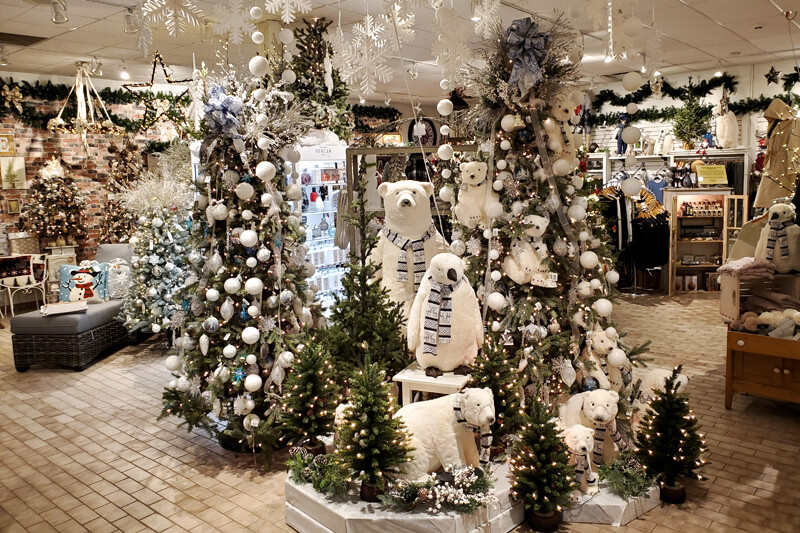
126	167
249	300
161	203
55	206
319	87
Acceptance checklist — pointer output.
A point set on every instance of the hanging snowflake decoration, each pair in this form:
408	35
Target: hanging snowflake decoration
400	17
339	46
367	55
288	9
487	17
474	246
144	34
176	14
450	45
233	21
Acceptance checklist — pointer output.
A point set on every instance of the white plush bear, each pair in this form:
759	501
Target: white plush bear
580	442
727	128
609	361
445	328
442	431
780	239
596	409
475	195
651	381
524	264
408	240
559	131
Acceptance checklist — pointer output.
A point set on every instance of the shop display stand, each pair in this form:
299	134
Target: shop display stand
413	379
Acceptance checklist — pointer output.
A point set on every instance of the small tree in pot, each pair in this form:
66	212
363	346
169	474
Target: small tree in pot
690	121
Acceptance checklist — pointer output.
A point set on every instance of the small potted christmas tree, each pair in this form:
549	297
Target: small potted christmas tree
668	444
373	443
541	476
309	398
691	120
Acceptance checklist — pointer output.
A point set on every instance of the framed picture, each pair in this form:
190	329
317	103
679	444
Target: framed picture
12	206
390	139
7	146
12	170
687	259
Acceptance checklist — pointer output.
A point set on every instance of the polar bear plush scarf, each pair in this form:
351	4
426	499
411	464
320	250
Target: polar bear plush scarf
414	247
486	431
777	235
437	315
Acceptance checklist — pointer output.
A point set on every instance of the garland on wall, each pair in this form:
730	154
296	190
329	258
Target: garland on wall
361	112
684	92
13	96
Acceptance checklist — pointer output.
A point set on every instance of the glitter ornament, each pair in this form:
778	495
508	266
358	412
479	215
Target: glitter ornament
612	277
263	254
603	307
173	363
248	238
250	335
212	295
245	191
259	66
232	285
265	171
589	260
496	301
229	351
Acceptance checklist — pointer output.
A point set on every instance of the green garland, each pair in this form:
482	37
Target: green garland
701	89
625	477
327	473
373	111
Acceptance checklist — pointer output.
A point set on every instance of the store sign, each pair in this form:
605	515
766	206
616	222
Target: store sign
322	153
711	175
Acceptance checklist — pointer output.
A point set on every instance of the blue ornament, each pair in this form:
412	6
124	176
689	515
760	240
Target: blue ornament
246	178
243	315
185	305
590	384
238	375
524	136
278	241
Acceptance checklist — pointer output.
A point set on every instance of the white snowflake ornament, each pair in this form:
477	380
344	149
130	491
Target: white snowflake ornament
486	15
366	56
234	21
288	9
176	14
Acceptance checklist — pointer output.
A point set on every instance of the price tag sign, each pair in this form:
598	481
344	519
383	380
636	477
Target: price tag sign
711	175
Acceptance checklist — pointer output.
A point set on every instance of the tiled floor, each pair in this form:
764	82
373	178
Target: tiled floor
83	451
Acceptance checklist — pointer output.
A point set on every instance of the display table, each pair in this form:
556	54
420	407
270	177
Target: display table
605	508
762	366
412	378
308	511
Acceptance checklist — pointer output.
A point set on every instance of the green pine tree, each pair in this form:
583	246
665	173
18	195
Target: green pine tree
668	443
327	106
365	322
11	174
541	475
126	167
373	443
691	120
309	397
494	369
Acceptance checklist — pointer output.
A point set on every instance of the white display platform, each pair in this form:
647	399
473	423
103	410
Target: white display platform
413	379
605	508
308	511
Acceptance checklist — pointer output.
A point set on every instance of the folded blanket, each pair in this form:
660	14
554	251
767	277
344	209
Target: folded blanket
756	303
748	268
784	300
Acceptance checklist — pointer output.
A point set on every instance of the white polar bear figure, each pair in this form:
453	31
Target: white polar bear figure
727	128
596	409
651	381
609	362
475	194
442	429
580	443
559	131
408	240
779	241
445	327
524	264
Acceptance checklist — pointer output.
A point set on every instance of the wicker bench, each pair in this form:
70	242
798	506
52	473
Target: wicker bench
73	339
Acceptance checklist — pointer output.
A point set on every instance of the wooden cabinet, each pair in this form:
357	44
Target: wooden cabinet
762	366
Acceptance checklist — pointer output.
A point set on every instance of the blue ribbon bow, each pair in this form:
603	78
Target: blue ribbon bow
526	48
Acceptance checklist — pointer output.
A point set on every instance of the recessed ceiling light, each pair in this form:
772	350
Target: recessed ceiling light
758	27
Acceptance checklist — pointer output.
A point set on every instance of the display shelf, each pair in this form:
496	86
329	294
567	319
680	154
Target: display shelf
325	184
701	241
703	266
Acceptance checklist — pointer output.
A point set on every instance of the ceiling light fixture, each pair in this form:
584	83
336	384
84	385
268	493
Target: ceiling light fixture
361	100
4	56
124	74
130	22
718	71
657	73
608	59
59	8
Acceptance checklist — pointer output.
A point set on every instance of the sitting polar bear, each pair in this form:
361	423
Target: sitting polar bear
779	241
475	195
442	431
580	442
596	409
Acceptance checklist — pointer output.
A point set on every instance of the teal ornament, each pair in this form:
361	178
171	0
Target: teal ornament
238	375
278	241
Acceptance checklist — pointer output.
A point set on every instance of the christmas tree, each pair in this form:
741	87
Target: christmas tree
373	443
691	120
668	443
126	167
541	477
161	203
248	297
365	323
54	209
319	87
309	397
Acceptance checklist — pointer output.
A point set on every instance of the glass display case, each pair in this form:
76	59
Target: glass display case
323	179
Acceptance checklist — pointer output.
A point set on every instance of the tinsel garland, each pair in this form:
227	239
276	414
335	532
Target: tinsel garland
373	111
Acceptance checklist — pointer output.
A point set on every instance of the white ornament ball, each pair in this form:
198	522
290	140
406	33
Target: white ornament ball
251	359
183	384
584	289
446	173
577	182
496	275
632	27
232	285
265	171
631	108
260	94
631	135
560	248
445	152
444	130
256	13
157	222
294	192
212	295
245	191
612	277
252	382
596	284
495	326
444	107
229	351
583	236
259	66
446	194
251	262
250	335
286	36
501	164
266	199
263	254
494	255
576	213
248	238
496	301
589	260
152	291
505	144
630	160
603	307
458	247
292	155
562	167
631	186
507	122
289	76
497	185
632	81
253	310
173	383
254	286
570	190
262	120
257	37
444	85
155	328
173	363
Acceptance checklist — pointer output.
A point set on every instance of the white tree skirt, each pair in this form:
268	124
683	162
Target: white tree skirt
605	508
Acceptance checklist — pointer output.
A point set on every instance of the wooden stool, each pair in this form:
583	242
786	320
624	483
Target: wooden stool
412	378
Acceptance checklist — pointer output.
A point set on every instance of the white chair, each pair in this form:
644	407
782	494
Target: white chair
34	281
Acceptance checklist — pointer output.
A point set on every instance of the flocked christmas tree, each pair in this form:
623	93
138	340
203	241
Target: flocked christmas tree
372	443
55	206
161	203
309	397
541	477
126	167
365	324
669	443
319	87
249	298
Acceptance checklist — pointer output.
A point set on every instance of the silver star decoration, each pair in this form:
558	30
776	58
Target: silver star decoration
267	324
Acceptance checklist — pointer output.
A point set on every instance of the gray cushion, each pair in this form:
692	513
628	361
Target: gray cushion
34	323
107	252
